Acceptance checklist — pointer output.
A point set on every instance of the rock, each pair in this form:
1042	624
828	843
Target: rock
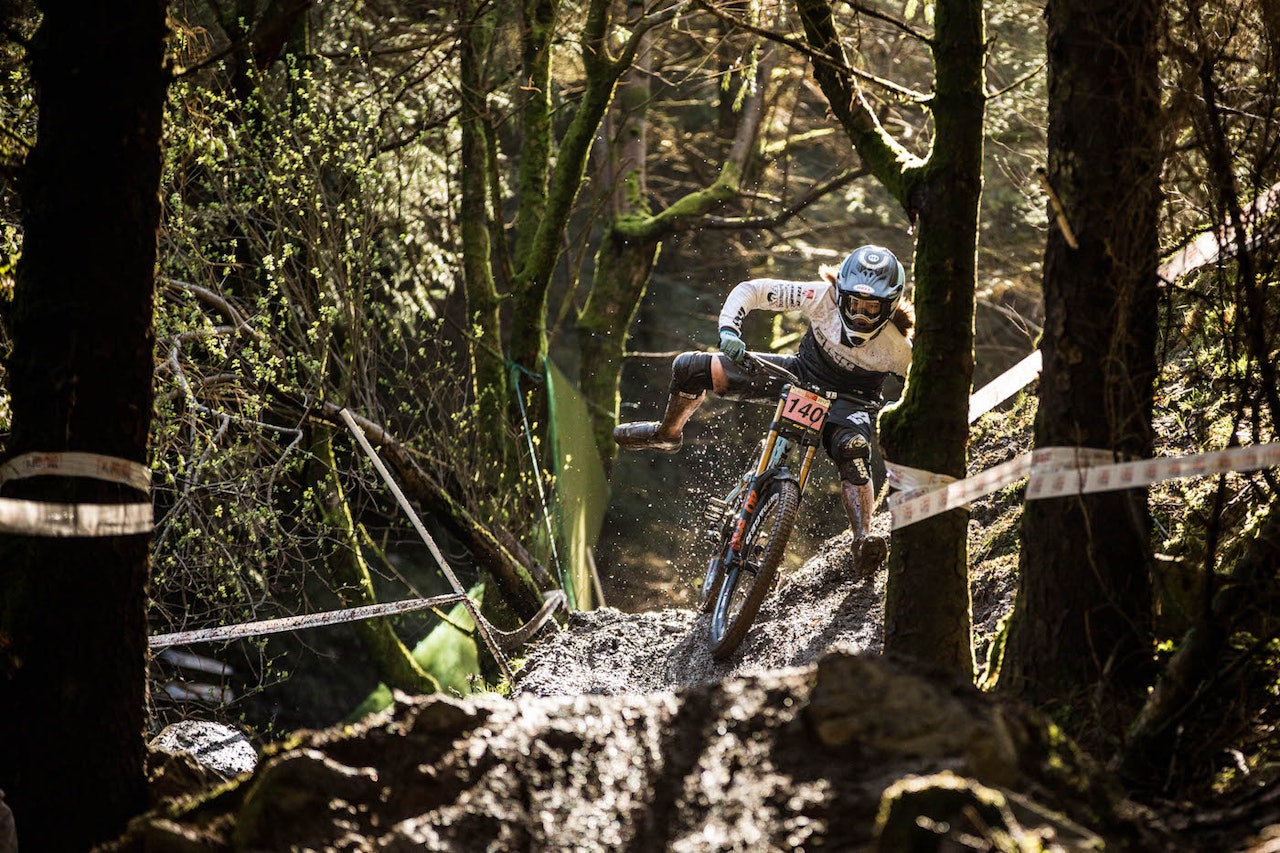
896	710
192	755
949	812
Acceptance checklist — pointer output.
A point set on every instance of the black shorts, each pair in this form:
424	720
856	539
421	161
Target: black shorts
848	414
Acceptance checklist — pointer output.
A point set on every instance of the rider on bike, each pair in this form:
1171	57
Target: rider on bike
859	332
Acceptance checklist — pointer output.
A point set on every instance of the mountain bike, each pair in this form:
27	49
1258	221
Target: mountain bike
750	526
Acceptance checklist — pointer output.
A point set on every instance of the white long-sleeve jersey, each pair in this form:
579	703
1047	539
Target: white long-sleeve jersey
823	354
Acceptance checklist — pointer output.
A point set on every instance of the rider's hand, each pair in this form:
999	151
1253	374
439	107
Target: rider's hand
732	345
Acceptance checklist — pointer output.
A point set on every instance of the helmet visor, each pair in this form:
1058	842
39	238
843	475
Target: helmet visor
860	312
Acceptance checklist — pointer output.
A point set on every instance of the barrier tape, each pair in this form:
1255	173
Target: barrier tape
1061	471
293	623
1004	386
112	469
37	518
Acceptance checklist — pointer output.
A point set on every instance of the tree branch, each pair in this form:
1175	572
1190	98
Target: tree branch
814	56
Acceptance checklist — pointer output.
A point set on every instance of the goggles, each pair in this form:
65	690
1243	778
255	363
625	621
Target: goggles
860	310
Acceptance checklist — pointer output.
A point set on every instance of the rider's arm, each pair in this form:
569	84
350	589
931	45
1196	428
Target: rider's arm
770	294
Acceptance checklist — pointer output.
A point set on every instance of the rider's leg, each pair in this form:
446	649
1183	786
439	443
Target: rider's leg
851	452
692	374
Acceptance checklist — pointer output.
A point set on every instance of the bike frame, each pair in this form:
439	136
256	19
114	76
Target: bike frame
786	430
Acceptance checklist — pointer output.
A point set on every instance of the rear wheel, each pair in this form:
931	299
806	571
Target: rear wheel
748	580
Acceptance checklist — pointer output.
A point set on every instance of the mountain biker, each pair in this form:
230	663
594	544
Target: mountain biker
860	329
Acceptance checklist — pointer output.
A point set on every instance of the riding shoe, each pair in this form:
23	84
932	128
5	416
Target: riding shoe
643	435
869	553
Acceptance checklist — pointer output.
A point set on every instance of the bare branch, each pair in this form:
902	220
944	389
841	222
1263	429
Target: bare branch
769	222
892	21
814	56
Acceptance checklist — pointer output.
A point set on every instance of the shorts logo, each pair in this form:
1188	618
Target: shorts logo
859	418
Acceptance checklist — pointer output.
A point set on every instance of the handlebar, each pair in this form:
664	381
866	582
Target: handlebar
754	364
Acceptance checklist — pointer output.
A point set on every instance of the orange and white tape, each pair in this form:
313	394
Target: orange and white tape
1061	471
39	518
1004	386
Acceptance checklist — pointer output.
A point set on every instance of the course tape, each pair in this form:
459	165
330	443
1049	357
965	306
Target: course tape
74	464
1060	471
1004	386
293	623
37	518
508	640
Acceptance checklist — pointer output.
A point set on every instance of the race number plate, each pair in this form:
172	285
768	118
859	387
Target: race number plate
805	408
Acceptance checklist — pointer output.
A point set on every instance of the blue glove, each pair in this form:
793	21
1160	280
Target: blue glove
732	345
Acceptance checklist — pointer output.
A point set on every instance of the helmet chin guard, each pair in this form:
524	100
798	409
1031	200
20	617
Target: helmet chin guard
869	287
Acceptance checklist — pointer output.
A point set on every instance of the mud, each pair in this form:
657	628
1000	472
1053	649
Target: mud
820	606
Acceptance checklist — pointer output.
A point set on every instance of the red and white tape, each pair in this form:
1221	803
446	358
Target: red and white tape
74	464
1060	471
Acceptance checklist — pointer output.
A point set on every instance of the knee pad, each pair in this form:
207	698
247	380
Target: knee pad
691	374
852	455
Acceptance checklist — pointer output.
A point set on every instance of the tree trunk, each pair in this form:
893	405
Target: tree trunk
73	628
927	606
1083	612
393	661
633	239
488	361
927	599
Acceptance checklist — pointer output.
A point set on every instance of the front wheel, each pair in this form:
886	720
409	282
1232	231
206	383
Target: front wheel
748	579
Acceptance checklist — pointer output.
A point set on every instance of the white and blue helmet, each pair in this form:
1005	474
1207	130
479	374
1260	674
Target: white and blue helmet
869	287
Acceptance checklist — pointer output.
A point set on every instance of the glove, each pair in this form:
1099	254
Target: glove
732	345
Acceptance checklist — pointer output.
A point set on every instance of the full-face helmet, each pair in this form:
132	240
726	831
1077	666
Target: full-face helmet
869	286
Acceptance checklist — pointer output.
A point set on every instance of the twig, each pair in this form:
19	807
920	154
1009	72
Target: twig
1058	212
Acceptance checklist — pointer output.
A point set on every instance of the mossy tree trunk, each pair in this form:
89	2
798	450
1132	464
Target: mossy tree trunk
927	612
633	238
1083	616
73	626
488	363
512	270
392	660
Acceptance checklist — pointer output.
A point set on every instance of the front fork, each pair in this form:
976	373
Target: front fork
771	457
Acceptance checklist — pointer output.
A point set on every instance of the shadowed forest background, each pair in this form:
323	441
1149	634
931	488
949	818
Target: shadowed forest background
483	229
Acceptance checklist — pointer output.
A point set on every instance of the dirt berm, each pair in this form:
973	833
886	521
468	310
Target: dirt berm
624	735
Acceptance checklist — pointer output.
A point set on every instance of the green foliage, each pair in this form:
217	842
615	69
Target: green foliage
308	219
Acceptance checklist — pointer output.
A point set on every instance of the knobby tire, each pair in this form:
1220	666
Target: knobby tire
714	577
765	543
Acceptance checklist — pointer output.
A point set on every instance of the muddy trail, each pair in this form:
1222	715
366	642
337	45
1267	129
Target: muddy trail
823	605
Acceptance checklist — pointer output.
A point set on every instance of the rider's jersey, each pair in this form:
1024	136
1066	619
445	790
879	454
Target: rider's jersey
824	356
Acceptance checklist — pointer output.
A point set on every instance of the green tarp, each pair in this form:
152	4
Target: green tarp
582	491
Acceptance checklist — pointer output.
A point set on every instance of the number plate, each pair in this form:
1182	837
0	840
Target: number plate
805	408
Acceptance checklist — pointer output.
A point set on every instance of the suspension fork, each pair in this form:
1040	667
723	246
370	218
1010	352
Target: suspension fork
753	488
